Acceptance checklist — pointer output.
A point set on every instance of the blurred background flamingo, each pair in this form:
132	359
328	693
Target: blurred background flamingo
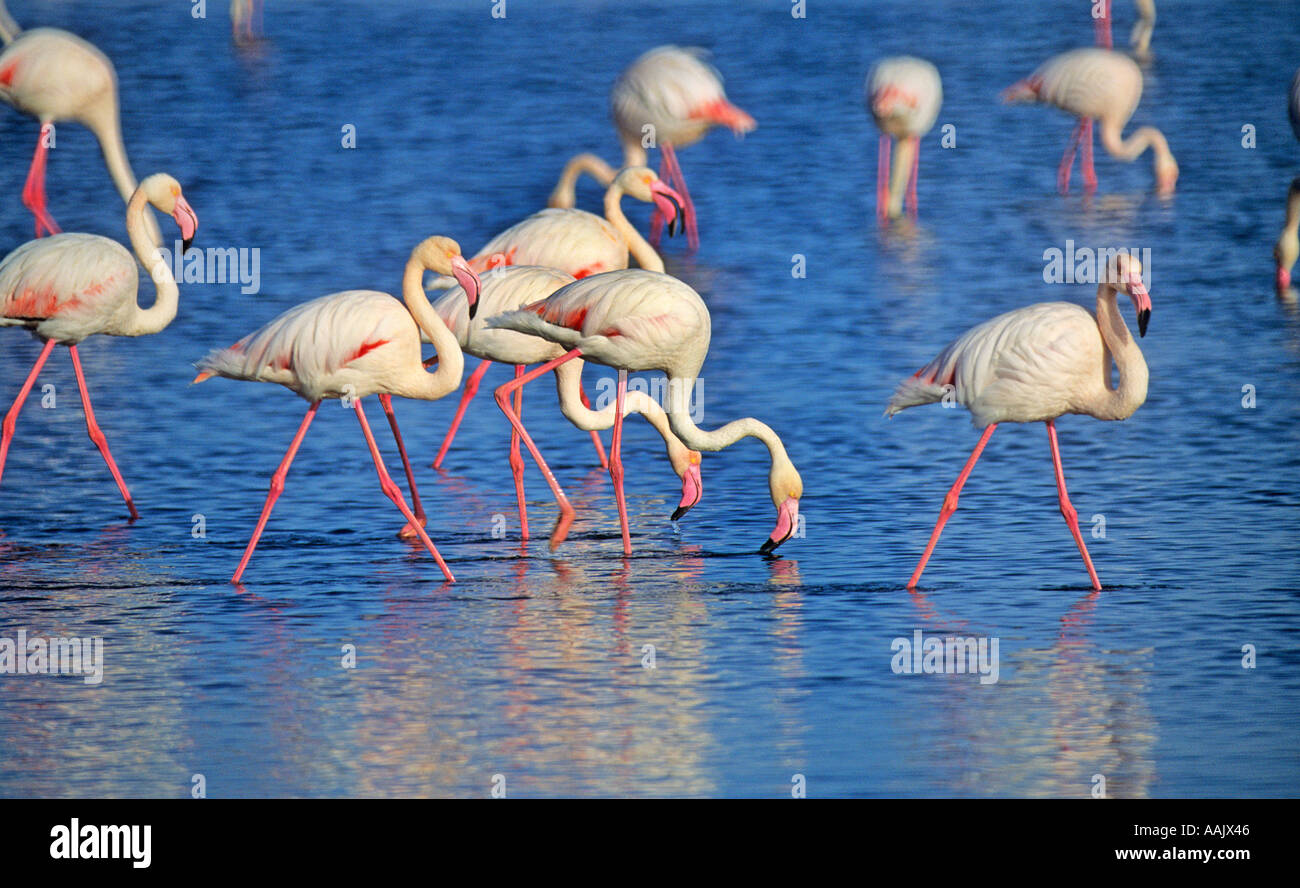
904	95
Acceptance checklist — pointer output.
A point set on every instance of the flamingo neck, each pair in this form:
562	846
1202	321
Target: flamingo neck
696	438
634	153
904	157
9	28
1143	137
1292	224
565	194
451	362
163	311
1128	396
641	251
103	120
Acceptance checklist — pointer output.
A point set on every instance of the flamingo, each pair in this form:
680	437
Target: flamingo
348	345
670	97
1287	249
1139	39
903	95
1036	364
511	288
70	286
54	75
575	242
634	320
1104	85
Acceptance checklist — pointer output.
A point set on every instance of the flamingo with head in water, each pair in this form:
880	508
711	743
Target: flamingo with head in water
1036	364
904	95
70	286
349	345
668	98
53	76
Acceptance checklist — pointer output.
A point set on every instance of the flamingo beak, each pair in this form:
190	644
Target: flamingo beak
466	277
1141	302
1283	279
787	519
669	203
692	488
188	221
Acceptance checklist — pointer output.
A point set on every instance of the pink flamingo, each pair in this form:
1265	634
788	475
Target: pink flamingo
510	288
904	95
70	286
1035	364
577	243
352	344
54	75
634	320
1102	85
670	97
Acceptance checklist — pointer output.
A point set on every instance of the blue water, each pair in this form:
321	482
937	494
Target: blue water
530	667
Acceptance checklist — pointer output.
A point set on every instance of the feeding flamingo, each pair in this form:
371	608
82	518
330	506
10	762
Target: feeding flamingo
669	97
54	75
70	286
510	288
1106	86
352	344
634	320
1035	364
903	95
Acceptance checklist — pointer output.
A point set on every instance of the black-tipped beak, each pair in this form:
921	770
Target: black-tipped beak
679	512
676	224
1144	317
769	546
185	245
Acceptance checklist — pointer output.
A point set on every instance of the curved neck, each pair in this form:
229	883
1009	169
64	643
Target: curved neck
1123	350
451	362
1143	137
102	119
641	251
160	314
568	379
565	193
696	438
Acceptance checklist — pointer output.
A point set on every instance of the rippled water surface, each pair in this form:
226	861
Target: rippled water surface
531	666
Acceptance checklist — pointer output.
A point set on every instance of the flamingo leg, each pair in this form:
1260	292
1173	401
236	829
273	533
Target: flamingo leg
517	460
97	435
656	217
503	401
616	461
407	532
882	178
277	487
1085	159
1102	26
394	493
471	389
1067	161
34	189
11	418
1067	508
911	183
678	183
595	435
950	504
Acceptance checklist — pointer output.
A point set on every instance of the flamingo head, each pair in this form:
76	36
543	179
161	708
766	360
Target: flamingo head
787	488
692	483
164	192
1166	174
643	184
1126	277
442	255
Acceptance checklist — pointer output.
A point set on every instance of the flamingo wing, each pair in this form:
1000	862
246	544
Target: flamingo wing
78	282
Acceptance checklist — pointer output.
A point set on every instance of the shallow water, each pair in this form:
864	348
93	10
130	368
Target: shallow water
531	667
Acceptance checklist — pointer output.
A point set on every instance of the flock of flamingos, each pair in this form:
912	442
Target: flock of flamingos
556	289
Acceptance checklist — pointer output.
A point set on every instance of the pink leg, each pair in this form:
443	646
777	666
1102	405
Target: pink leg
277	487
1067	509
688	206
656	217
517	460
97	435
882	178
11	418
595	435
407	532
950	504
911	183
503	401
616	461
34	189
471	389
394	493
1102	26
1085	161
1063	173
